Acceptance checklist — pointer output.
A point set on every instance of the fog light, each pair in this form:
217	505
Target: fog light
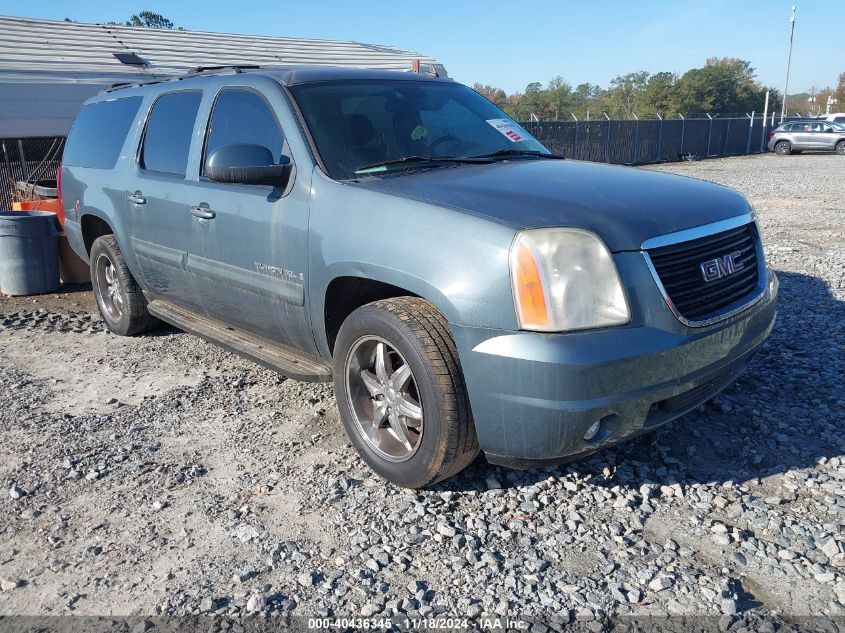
593	430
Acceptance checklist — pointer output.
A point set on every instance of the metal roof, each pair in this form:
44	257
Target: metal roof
37	52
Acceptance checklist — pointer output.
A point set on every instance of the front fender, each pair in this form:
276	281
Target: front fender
457	261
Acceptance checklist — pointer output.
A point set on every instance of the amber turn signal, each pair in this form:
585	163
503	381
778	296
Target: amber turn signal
531	300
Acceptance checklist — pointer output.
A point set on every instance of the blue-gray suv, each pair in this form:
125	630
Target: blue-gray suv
466	289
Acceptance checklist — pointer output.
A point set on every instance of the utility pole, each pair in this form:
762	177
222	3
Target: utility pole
788	63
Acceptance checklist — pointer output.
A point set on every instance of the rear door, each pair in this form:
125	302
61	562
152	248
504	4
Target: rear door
250	250
802	135
157	210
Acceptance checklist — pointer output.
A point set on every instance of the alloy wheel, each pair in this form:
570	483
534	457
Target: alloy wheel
384	399
107	288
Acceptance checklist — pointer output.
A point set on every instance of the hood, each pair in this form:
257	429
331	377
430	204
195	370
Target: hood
623	205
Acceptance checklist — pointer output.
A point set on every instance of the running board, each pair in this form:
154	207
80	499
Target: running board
280	358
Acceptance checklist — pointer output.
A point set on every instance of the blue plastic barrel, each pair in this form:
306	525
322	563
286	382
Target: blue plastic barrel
29	255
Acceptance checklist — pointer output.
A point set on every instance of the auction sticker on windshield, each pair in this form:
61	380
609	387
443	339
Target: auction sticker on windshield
507	128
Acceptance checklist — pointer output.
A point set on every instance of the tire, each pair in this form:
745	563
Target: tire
119	298
412	332
783	148
840	148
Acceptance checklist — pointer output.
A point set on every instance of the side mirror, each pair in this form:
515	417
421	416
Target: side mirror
247	164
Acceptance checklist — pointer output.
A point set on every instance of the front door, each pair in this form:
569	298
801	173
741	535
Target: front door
157	209
250	248
827	137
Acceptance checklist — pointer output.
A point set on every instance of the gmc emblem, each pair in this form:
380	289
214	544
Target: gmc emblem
720	267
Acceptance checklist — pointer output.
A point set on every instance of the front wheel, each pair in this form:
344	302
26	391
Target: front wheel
782	148
401	392
840	148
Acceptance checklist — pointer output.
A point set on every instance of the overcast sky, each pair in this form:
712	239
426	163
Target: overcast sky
511	44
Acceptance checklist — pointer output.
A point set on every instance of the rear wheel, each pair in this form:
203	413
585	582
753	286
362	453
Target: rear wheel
119	298
782	148
401	393
840	148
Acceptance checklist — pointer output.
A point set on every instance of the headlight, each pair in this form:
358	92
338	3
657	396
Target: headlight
565	279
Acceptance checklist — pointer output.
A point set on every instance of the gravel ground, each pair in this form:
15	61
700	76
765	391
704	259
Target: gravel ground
163	476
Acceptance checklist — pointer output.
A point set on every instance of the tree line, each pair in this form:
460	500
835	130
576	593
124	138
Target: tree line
722	86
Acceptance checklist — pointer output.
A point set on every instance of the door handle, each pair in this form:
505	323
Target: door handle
137	198
203	212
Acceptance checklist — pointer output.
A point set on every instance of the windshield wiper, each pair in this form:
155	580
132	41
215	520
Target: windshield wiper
505	153
423	160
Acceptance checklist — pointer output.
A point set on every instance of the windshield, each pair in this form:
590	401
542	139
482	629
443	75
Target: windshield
363	123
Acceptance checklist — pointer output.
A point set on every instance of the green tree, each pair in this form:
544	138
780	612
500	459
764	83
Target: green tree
724	85
496	95
839	93
558	98
658	95
150	20
622	99
531	102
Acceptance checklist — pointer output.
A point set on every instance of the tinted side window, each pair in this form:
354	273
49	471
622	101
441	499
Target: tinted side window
98	132
242	116
839	119
167	139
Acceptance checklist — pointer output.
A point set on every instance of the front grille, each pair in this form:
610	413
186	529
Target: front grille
679	267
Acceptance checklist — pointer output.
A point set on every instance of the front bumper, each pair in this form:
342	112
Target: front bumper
534	396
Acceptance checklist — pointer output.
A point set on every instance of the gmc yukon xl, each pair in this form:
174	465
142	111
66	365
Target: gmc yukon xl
464	288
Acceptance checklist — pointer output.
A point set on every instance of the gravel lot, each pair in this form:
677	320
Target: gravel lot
163	476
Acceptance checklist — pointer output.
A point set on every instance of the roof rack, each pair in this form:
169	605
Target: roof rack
199	70
236	68
131	84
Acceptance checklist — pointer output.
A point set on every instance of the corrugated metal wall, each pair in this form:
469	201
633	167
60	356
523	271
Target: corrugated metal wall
48	68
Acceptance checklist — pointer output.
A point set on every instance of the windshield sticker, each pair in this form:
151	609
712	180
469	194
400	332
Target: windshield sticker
419	133
507	128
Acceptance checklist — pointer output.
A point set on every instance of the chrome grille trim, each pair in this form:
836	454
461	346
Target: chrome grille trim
699	232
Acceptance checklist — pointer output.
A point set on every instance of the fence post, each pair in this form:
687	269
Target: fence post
763	123
727	136
24	165
636	137
709	132
607	140
575	150
683	129
750	130
659	136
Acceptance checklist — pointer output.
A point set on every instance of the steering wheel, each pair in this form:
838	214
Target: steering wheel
443	139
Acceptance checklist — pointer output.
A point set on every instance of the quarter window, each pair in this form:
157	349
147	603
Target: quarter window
243	116
98	132
167	139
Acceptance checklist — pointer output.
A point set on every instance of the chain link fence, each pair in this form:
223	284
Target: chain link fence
636	141
28	167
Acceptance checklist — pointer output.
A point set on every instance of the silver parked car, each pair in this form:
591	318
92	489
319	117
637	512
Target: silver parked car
799	136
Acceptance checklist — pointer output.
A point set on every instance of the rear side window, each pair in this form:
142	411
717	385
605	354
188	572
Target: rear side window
167	139
839	119
243	116
97	134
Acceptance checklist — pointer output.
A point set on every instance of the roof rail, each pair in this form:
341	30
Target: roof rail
132	84
236	68
199	70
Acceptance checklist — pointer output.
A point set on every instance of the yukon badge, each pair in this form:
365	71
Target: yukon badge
720	267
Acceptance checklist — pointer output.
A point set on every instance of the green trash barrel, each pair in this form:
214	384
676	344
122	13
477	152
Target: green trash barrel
29	255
